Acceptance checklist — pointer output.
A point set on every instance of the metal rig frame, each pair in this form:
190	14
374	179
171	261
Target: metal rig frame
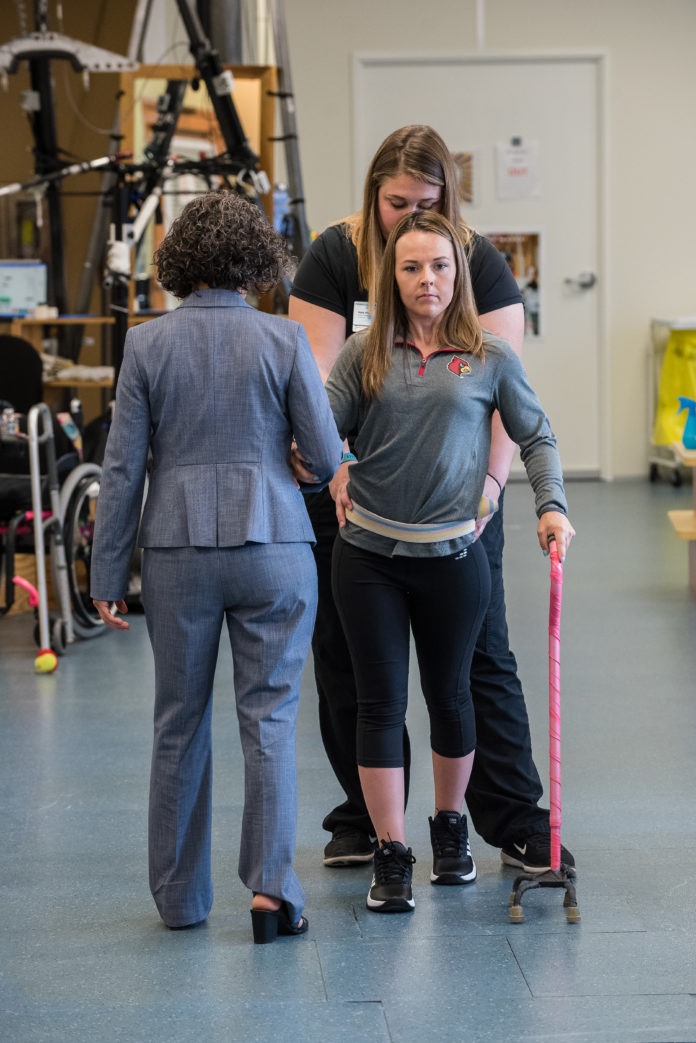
125	186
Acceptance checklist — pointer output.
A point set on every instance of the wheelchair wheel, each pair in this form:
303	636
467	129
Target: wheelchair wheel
79	512
58	636
59	640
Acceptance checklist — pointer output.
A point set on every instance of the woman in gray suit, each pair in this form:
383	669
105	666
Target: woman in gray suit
215	391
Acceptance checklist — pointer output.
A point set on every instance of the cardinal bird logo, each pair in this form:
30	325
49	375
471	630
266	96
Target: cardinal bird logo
460	367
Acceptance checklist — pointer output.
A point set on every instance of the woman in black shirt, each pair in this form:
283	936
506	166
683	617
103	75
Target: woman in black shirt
332	296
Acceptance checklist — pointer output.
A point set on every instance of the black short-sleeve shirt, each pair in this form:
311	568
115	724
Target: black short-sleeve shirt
328	275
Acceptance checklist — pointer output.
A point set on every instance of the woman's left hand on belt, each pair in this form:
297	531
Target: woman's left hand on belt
338	487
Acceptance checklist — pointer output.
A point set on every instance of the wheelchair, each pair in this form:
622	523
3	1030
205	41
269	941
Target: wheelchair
48	507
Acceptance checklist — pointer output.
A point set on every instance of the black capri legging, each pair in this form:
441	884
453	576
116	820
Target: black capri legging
444	601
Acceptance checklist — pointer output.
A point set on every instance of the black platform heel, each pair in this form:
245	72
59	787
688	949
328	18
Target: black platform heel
267	924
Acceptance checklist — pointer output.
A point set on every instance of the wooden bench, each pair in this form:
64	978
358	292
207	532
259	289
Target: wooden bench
684	522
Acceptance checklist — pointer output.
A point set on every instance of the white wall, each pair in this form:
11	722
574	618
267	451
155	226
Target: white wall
650	219
165	41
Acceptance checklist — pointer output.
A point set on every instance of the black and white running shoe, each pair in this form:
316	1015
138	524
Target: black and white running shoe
533	854
452	861
391	883
348	847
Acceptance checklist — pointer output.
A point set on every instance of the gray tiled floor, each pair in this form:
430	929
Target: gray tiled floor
84	957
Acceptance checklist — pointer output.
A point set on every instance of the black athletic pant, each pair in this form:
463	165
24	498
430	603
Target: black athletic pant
381	601
504	787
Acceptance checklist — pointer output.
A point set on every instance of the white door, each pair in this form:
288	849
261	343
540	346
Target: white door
550	106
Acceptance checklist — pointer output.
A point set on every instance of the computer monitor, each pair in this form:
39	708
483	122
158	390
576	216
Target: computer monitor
22	287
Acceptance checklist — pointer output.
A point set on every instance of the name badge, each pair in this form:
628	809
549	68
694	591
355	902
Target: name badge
361	316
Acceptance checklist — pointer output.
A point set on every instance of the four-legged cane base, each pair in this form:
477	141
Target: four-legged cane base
562	877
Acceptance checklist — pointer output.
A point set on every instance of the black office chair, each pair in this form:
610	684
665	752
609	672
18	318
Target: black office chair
21	386
21	373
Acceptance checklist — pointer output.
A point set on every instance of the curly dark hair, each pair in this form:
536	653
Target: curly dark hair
224	241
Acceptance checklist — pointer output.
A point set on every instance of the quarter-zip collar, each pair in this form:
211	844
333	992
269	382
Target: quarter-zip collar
424	358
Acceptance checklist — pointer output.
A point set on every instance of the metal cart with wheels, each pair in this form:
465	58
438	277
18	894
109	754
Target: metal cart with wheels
661	455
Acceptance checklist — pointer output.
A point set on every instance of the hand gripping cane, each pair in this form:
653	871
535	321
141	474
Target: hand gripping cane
559	875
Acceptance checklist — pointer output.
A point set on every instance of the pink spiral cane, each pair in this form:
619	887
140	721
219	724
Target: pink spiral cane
555	704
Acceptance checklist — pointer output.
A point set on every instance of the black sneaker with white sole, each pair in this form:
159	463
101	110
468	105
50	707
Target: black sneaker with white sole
348	847
452	861
533	854
391	883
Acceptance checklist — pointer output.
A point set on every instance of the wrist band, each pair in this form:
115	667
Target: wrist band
347	457
489	475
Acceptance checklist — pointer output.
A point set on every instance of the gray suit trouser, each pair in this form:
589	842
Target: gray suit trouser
267	594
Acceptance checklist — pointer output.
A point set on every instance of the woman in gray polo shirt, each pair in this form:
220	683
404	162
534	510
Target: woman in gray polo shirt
415	394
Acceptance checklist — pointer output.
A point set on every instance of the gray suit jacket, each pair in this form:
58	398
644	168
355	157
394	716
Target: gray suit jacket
216	390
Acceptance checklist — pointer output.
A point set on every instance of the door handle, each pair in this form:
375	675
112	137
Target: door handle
583	281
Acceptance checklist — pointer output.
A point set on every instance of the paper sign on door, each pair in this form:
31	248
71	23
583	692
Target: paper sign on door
517	170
